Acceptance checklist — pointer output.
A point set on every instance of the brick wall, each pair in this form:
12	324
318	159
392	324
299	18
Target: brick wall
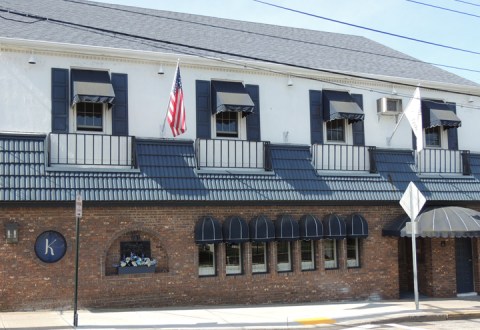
28	283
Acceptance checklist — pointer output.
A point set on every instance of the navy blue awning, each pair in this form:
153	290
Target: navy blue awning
262	229
357	226
91	86
334	227
208	231
286	228
235	230
438	113
310	228
341	105
231	96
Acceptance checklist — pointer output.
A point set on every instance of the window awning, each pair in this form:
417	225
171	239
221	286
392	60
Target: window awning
436	113
235	230
449	221
91	86
208	231
231	96
286	228
334	227
262	229
341	105
310	228
357	226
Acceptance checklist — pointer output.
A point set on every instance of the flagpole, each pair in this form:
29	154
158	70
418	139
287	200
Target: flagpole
168	106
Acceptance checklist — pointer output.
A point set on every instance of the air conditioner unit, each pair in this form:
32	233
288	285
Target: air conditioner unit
389	106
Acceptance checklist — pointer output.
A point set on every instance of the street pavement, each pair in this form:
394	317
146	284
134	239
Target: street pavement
298	316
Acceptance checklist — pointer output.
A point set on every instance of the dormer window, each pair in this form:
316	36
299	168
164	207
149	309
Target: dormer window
433	137
335	130
89	117
227	124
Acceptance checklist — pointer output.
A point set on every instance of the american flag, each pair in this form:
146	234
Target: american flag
176	108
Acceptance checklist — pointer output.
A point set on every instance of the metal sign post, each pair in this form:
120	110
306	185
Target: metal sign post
412	202
78	215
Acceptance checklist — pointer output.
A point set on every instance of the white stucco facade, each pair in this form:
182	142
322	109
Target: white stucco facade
25	94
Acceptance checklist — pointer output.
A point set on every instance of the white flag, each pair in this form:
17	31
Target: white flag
413	112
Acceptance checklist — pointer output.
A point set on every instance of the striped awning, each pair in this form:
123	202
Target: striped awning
91	86
334	227
438	113
208	231
231	96
262	229
341	105
357	226
235	230
310	228
286	228
449	221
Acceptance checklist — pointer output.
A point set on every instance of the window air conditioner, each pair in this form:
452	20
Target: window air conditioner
389	106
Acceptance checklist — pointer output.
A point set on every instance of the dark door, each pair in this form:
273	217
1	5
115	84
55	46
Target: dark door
463	257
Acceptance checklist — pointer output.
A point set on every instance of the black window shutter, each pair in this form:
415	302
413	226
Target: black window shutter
414	141
358	129
60	100
204	111
316	117
253	119
120	104
453	132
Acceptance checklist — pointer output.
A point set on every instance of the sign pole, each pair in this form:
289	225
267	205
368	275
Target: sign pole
414	254
78	215
412	202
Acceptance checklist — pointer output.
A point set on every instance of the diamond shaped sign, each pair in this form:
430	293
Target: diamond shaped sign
412	201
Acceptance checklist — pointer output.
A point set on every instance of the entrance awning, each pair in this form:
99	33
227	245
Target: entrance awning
208	231
449	221
235	230
91	86
286	228
334	227
310	228
262	229
341	105
436	113
231	96
357	226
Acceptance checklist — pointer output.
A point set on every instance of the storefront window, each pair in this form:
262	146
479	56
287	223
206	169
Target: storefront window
353	255
206	259
330	249
259	257
137	248
308	255
233	258
284	258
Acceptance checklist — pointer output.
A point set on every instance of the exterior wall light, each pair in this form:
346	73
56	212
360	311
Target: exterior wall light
289	81
160	69
11	232
32	59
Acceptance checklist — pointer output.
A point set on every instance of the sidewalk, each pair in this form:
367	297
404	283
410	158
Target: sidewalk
302	316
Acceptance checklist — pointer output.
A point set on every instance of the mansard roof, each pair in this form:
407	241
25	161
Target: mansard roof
167	173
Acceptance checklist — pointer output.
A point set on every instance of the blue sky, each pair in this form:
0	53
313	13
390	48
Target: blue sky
402	17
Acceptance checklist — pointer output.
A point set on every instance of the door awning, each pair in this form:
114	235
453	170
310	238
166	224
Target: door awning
235	230
231	96
436	113
310	228
91	86
262	229
208	231
341	105
334	227
449	221
286	228
357	226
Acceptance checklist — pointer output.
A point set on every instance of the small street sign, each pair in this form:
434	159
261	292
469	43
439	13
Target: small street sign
412	201
78	206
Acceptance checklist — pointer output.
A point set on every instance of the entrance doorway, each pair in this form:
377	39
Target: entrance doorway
464	265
